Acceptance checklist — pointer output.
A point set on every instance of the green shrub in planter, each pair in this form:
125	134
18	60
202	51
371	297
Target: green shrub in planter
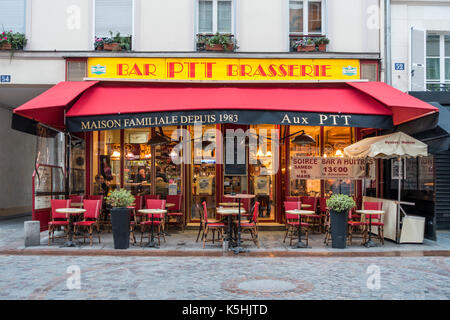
339	205
119	200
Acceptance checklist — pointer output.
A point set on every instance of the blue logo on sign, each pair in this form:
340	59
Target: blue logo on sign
399	66
350	71
5	78
98	69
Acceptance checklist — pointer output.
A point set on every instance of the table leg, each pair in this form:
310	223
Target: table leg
369	242
300	243
239	249
70	243
152	242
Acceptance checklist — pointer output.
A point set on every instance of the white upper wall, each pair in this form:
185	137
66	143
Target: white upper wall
426	15
161	25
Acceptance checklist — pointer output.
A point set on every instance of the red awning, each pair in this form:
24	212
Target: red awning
48	107
404	107
115	99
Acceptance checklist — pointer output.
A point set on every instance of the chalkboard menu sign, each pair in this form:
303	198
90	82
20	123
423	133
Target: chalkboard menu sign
235	168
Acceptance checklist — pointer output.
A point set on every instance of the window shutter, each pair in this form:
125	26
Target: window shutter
417	59
12	15
115	16
76	70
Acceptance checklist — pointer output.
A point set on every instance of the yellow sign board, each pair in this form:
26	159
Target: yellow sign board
220	69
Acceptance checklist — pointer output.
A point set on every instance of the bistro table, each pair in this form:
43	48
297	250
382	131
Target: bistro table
228	204
152	212
239	196
300	243
229	212
369	243
70	212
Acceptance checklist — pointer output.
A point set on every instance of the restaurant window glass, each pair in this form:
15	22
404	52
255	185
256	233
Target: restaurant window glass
262	173
335	140
168	175
203	174
138	161
215	16
77	166
304	187
106	161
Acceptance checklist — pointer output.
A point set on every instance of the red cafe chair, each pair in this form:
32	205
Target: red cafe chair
135	217
376	218
157	220
314	219
58	219
292	221
91	219
252	225
213	226
176	211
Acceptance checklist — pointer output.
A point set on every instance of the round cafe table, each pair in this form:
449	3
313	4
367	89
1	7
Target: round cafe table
70	212
369	243
229	212
228	204
239	196
300	243
304	205
152	243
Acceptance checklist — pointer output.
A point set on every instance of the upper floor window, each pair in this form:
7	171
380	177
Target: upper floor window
305	17
215	16
438	62
115	16
12	15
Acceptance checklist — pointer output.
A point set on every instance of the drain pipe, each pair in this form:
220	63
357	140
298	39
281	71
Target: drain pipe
387	42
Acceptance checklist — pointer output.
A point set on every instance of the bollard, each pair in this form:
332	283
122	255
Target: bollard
32	233
225	245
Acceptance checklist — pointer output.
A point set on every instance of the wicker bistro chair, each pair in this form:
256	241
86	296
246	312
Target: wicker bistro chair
58	219
136	217
252	225
213	226
91	219
354	226
376	218
292	221
176	211
158	219
315	220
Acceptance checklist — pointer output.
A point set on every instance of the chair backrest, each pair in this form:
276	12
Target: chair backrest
97	197
373	206
255	212
245	203
92	208
176	200
156	204
323	205
151	196
76	198
311	201
292	199
59	204
226	199
291	205
138	202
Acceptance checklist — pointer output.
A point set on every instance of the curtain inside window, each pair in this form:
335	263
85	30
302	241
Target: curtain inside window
205	21
296	16
224	16
115	16
12	15
315	17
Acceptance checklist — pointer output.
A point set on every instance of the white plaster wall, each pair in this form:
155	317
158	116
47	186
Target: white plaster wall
351	27
28	71
59	25
262	25
17	151
429	16
162	25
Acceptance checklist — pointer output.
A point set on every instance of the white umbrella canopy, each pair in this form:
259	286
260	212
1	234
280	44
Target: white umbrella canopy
392	145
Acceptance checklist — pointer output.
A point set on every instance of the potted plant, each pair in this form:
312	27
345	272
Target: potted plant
305	45
98	43
12	41
119	200
321	43
339	205
219	42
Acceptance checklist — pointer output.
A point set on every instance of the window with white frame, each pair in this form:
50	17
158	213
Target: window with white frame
215	16
305	17
12	15
115	16
438	62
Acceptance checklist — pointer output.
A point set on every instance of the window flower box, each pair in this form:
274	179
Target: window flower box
5	46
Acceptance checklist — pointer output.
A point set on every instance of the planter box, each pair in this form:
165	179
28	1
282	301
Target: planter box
219	47
322	47
120	221
5	46
308	48
338	229
111	46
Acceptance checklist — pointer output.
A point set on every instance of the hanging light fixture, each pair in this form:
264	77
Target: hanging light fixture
115	154
158	139
339	153
303	139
